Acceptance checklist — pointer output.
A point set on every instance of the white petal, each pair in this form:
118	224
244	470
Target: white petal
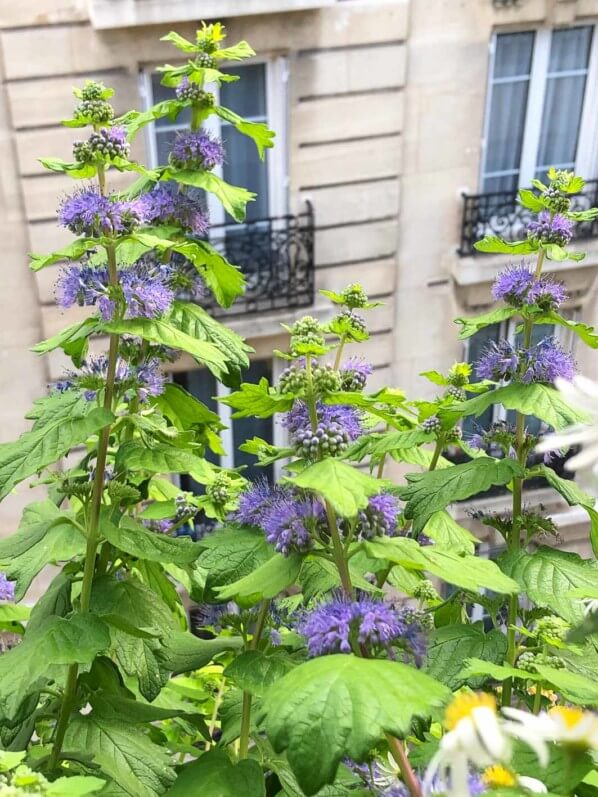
532	784
459	786
431	771
587	457
493	739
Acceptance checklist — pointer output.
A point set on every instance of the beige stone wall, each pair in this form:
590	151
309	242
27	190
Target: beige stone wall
345	117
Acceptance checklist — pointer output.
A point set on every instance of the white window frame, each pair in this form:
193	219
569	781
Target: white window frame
587	144
277	78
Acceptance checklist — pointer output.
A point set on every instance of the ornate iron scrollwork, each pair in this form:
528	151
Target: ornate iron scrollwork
500	214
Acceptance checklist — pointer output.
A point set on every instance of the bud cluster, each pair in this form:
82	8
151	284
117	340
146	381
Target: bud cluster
529	661
426	591
555	200
205	61
183	509
432	424
326	379
94	111
220	489
354	296
354	321
456	393
103	144
307	332
328	440
292	379
552	628
187	90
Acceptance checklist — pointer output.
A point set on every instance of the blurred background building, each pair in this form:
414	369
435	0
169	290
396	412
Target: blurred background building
404	128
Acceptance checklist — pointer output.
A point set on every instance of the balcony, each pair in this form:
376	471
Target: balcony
110	14
500	214
276	255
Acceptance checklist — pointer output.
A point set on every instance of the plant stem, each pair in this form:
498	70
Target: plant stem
514	541
400	756
339	551
537	698
246	708
437	452
217	701
339	351
94	515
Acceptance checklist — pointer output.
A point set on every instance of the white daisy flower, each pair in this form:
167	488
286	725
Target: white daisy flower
499	777
474	736
567	725
582	395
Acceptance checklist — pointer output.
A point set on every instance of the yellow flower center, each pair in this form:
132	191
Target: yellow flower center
463	704
497	776
569	715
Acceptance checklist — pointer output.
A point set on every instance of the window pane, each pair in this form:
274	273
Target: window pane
563	102
570	49
246	97
164	139
508	183
246	428
513	54
242	166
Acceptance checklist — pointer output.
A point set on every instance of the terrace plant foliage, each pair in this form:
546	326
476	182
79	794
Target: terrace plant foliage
334	650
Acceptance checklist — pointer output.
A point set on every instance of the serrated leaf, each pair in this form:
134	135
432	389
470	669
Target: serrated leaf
469	326
434	490
71	340
181	652
565	769
259	132
311	712
529	200
73	251
231	553
258	400
447	533
379	443
43	654
74	786
163	459
255	671
463	570
548	576
136	540
267	581
538	400
233	198
574	687
184	410
215	775
344	487
45	535
477	668
40	447
123	753
179	42
583	331
492	244
236	52
130	606
164	332
450	645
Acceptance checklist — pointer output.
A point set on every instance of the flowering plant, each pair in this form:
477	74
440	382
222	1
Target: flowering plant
324	660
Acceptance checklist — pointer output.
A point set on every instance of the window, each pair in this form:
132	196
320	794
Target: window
259	96
539	106
203	385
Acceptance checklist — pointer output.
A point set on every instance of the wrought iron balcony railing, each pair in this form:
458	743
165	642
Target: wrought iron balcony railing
276	255
500	213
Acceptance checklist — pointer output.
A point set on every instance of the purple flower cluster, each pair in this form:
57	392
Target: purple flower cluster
286	518
7	588
88	212
546	230
517	287
354	374
146	378
165	205
195	149
145	288
543	362
379	518
336	626
349	419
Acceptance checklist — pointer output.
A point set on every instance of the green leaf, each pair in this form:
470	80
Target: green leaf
258	400
261	134
344	487
447	533
184	410
492	244
45	535
72	340
231	553
379	443
74	786
163	331
434	490
566	768
337	707
529	200
236	52
214	775
583	331
10	760
469	326
181	652
548	576
267	581
136	540
123	753
234	198
130	606
179	42
40	447
73	251
538	400
574	496
559	254
476	668
573	686
42	655
163	459
465	571
450	645
254	671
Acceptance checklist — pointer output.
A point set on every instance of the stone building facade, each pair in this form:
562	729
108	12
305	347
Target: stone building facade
381	110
